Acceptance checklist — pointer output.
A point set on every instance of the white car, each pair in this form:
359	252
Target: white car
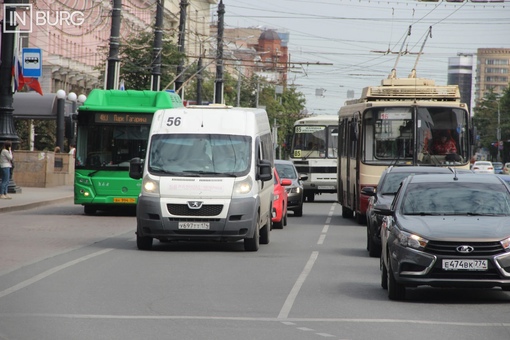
483	167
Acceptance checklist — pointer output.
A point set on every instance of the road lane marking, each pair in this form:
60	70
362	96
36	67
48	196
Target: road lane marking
289	302
49	272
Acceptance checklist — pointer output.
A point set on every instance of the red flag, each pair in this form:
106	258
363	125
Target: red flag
17	75
33	83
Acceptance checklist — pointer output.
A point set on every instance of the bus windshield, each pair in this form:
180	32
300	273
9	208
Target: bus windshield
315	141
199	153
110	145
437	136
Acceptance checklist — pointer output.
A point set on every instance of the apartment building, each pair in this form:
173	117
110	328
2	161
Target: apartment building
492	70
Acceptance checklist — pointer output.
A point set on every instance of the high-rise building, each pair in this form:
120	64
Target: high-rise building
460	72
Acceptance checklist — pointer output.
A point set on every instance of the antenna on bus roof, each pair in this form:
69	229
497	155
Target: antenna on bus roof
413	71
393	73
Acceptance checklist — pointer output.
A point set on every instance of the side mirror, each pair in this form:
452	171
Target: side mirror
286	182
383	209
303	177
368	191
136	168
265	170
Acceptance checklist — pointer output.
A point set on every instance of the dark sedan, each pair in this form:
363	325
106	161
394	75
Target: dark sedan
446	230
287	170
382	196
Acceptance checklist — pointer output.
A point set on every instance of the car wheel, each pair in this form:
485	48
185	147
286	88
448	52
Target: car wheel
265	233
374	250
384	275
252	243
396	291
299	211
144	242
285	219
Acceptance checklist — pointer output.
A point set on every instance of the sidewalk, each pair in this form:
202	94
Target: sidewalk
36	197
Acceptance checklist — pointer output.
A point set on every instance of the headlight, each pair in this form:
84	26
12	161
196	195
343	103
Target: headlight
505	243
150	186
411	240
243	187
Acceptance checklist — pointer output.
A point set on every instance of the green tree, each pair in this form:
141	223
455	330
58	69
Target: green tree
136	56
485	119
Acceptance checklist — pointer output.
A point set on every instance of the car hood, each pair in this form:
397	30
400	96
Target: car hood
458	228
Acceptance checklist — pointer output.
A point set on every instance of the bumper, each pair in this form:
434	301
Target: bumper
236	221
415	268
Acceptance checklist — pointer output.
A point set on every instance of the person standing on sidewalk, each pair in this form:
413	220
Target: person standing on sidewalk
6	166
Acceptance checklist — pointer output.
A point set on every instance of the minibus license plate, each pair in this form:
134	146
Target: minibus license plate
194	225
465	264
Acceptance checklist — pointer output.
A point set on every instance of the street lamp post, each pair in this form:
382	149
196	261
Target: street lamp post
61	104
499	132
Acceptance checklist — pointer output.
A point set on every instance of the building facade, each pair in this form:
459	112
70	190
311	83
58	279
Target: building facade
72	52
492	70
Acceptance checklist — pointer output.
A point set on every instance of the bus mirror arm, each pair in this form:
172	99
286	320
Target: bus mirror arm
136	168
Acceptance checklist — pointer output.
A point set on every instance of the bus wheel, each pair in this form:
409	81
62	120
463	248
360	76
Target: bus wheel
89	210
361	218
310	197
346	212
144	242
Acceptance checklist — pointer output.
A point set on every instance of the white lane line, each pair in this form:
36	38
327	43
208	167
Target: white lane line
325	229
288	321
321	239
49	272
289	302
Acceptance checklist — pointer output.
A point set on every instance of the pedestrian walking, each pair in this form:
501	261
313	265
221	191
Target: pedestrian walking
6	162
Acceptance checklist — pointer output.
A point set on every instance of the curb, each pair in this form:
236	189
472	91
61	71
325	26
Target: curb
32	205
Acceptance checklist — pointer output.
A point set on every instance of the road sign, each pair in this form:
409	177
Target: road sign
32	62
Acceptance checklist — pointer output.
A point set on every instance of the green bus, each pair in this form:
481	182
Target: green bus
112	128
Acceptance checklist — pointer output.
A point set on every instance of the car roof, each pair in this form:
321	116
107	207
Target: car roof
459	178
282	161
420	169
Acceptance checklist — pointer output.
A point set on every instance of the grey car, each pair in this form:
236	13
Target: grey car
382	196
286	169
450	230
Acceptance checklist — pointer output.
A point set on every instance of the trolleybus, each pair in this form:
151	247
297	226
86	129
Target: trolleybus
112	128
397	124
314	152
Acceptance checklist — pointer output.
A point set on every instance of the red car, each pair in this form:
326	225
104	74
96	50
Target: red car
280	201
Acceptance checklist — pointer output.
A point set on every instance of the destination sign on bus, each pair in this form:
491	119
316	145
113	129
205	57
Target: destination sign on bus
122	118
309	129
397	113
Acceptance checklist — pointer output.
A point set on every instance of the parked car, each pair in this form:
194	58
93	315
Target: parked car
286	169
446	230
506	169
483	167
498	167
279	218
382	196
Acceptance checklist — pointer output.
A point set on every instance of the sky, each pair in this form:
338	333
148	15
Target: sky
338	46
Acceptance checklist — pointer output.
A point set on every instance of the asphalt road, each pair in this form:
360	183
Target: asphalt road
64	275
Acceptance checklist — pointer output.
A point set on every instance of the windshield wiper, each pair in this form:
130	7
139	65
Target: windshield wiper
422	213
201	172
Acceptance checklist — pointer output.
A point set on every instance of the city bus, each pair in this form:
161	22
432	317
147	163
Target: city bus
314	152
396	124
112	128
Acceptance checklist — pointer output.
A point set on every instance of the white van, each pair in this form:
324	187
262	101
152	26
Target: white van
207	176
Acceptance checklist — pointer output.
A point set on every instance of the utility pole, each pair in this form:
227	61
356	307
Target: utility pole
158	47
199	79
218	83
181	41
7	129
112	71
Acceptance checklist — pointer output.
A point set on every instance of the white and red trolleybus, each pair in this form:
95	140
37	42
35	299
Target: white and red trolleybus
396	124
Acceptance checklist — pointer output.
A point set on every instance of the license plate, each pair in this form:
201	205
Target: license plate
465	265
194	225
124	200
326	187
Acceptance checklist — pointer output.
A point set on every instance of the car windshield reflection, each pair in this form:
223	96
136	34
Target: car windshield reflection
472	199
